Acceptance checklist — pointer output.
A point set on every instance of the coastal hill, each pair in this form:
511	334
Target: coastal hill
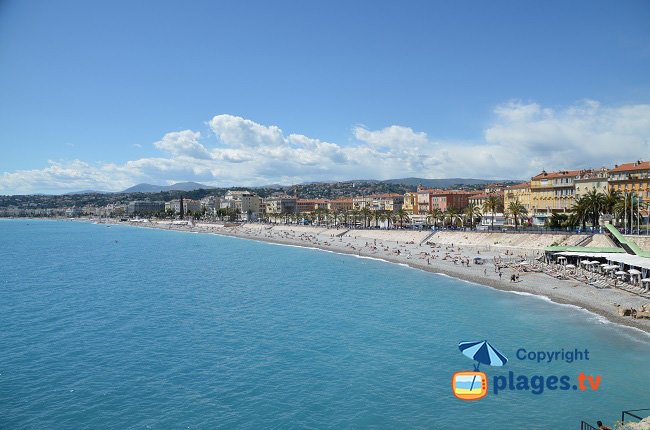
441	183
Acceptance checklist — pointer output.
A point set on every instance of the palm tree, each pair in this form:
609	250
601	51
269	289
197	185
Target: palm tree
384	216
434	214
517	210
402	215
343	217
376	215
453	214
612	198
367	215
491	205
595	204
471	212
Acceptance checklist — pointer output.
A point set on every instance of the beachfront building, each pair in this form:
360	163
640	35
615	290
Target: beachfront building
591	180
338	205
445	199
552	192
189	205
424	199
73	212
211	203
410	205
144	207
631	178
310	205
518	193
480	199
245	202
281	205
430	199
379	202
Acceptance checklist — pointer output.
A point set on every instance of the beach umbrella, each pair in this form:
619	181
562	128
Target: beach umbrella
645	280
482	352
620	272
633	272
570	266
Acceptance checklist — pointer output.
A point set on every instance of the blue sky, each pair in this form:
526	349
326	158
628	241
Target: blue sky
105	94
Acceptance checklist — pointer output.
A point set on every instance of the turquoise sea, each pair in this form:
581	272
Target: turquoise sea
131	328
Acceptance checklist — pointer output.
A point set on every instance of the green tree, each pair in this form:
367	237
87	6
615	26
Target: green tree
517	210
402	215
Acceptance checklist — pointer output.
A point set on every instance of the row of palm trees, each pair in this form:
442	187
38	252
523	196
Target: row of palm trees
365	217
590	207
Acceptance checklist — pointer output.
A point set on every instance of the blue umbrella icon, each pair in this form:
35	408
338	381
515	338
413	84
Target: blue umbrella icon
482	352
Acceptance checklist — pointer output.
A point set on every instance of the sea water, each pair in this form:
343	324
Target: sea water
134	328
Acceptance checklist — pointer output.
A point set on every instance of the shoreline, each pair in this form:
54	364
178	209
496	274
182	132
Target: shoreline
599	313
600	302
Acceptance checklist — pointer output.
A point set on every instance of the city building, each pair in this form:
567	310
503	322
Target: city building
144	207
211	204
189	205
631	178
518	193
410	205
552	192
591	180
310	205
379	202
247	203
281	205
480	199
446	199
73	212
339	205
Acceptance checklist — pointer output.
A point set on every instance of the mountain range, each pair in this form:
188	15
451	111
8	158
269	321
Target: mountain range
180	186
191	186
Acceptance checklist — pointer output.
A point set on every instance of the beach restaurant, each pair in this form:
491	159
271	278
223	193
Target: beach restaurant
620	264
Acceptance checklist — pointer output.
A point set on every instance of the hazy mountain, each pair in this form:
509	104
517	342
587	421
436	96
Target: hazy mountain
86	192
180	186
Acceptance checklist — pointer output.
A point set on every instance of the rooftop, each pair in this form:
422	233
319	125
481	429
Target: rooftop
559	174
629	167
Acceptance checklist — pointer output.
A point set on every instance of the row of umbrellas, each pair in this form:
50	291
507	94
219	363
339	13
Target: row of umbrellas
606	267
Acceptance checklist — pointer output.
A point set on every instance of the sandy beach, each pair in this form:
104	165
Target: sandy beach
451	253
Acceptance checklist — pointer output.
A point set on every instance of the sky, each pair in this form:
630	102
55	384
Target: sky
103	95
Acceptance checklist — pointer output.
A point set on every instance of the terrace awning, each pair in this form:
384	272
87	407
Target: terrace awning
628	259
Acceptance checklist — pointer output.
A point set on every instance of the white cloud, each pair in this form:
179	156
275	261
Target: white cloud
394	137
183	143
522	139
237	131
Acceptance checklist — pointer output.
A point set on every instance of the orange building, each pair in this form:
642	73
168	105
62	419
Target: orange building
631	178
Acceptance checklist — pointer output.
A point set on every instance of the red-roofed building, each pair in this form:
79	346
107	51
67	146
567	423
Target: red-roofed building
631	178
552	192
